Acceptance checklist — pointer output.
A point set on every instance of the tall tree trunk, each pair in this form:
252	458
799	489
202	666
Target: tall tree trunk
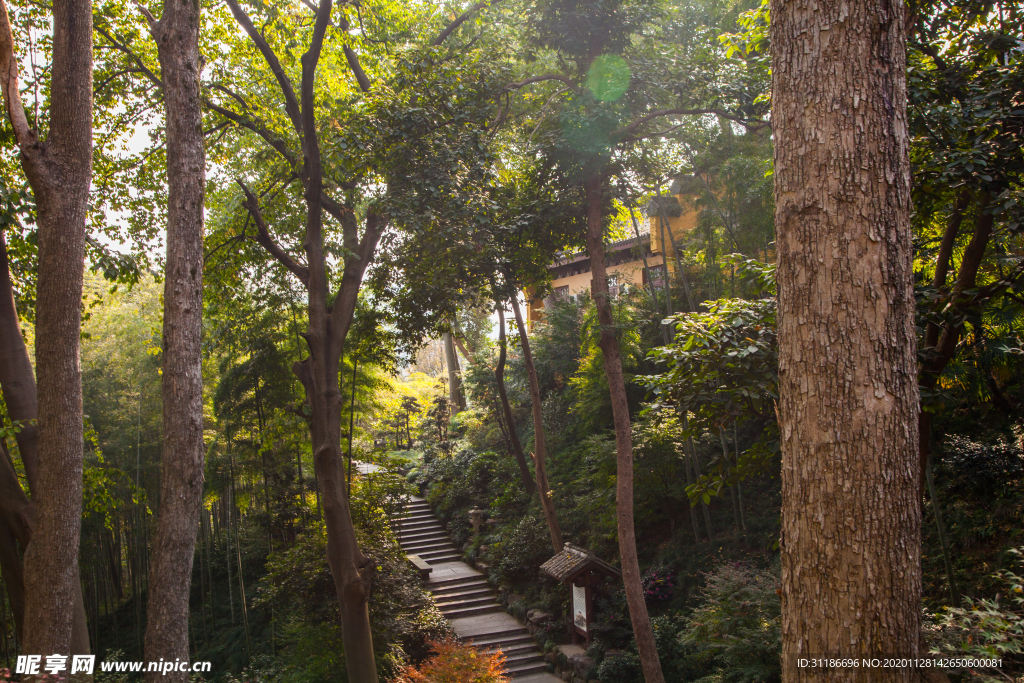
539	445
451	361
696	470
851	577
181	482
954	594
688	466
506	409
609	344
59	170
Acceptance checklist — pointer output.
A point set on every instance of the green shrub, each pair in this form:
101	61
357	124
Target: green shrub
460	529
622	668
522	550
736	629
985	629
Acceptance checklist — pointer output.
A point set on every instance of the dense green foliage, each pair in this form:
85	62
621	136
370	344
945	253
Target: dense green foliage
477	149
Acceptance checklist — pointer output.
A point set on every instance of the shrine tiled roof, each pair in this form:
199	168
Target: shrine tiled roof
573	561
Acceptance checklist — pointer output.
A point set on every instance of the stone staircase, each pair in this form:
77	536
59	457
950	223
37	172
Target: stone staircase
465	598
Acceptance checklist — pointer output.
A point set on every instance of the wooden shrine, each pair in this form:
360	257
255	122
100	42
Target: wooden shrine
583	571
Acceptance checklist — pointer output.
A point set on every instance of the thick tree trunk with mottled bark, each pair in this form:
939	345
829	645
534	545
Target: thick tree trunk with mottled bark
59	170
851	576
539	445
181	481
17	512
506	409
609	344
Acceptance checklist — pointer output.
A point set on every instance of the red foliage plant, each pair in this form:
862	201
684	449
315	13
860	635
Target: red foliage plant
453	662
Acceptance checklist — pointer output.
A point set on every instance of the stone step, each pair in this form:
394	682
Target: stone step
433	544
502	640
433	556
429	547
478	601
415	517
403	532
440	539
470	611
437	585
421	534
441	590
510	651
434	537
419	529
474	592
449	557
524	668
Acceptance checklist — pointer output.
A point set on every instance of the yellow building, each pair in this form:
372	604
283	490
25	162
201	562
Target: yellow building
570	273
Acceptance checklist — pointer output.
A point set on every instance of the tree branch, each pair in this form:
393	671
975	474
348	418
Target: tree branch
538	79
230	93
626	130
450	28
150	19
275	142
291	105
266	241
25	135
465	353
123	48
353	62
343	308
332	207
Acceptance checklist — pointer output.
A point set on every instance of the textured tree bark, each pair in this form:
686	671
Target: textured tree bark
851	578
59	170
539	445
506	409
17	512
182	454
451	362
609	344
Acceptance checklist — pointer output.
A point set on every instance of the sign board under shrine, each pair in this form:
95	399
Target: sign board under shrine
583	571
579	607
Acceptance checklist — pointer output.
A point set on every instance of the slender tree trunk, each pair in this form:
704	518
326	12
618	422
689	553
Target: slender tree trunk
506	409
539	445
17	379
181	482
696	470
609	344
851	577
941	348
59	170
688	466
940	528
451	361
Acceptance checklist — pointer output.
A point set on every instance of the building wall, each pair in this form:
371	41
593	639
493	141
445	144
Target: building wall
630	271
